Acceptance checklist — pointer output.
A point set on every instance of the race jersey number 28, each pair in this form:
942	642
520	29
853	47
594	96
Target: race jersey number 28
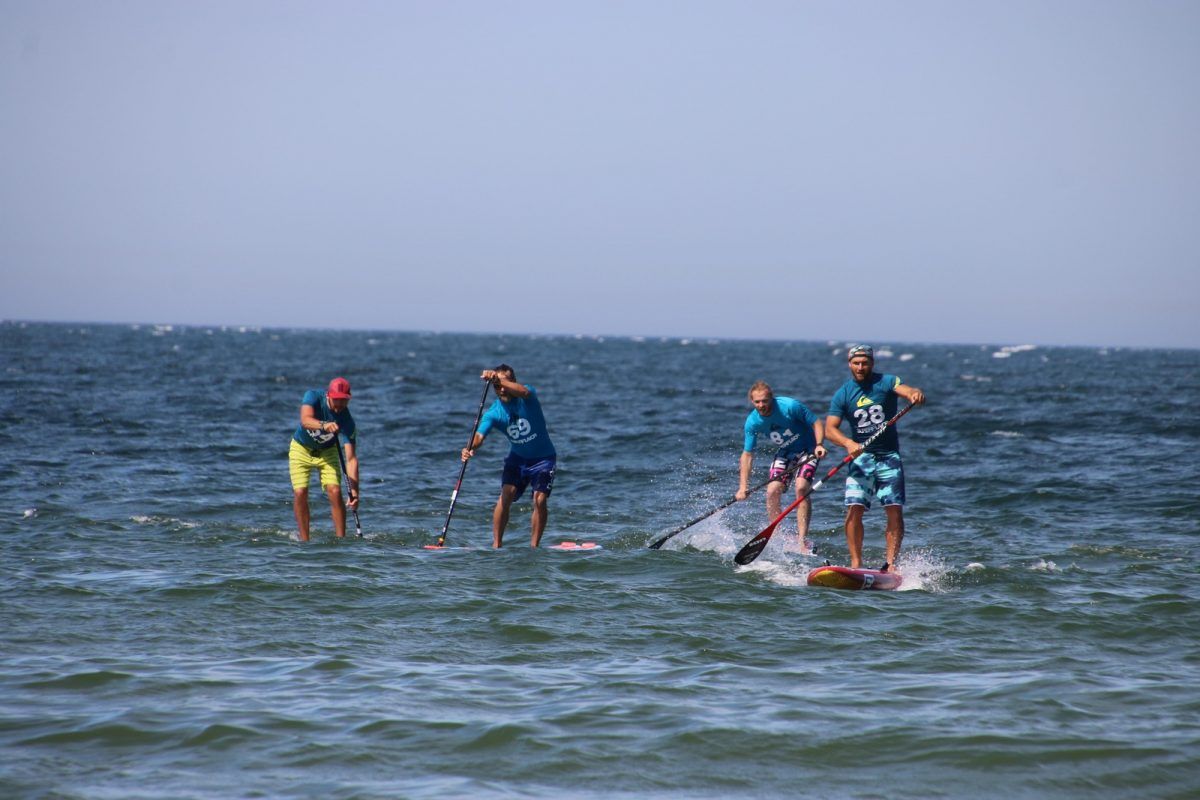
868	417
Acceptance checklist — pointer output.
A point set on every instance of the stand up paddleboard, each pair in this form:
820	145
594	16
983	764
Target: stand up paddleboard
572	547
850	578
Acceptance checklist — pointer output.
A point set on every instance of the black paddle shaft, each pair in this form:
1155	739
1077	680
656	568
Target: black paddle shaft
342	461
463	469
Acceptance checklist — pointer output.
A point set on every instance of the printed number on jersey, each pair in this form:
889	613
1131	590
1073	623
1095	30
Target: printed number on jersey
779	438
867	418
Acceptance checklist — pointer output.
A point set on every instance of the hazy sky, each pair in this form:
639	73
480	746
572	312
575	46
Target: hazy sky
999	172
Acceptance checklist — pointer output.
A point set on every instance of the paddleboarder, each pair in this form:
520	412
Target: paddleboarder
531	457
324	420
798	433
868	400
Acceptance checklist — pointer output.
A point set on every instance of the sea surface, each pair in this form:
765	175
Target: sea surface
163	634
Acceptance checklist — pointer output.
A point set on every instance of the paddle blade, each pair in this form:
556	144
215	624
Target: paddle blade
755	546
660	542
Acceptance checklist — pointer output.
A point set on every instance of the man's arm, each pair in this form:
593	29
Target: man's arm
352	473
477	440
819	435
744	465
834	434
910	393
309	421
498	380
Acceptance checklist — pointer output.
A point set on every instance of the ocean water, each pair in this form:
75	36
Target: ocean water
164	635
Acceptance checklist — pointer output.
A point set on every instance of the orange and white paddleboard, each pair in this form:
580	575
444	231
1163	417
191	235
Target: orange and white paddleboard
851	578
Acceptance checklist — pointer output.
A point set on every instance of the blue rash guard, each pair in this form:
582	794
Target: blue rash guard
867	406
320	440
522	421
788	418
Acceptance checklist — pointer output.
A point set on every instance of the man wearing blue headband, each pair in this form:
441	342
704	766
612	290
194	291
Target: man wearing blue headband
868	400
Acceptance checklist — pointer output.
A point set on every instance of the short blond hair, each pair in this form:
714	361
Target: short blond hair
758	387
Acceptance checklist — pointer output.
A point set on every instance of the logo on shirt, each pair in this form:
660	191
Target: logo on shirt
864	401
519	430
779	438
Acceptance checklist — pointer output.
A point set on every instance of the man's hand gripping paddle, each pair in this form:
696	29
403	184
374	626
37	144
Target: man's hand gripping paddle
755	546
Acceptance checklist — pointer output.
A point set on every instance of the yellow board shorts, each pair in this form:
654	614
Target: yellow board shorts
301	464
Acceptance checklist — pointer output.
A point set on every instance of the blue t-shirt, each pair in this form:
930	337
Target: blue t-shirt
522	421
788	418
867	406
320	440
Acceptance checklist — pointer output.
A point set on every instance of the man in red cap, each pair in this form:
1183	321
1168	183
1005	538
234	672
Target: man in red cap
324	419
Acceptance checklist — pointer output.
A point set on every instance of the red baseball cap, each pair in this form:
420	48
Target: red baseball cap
339	389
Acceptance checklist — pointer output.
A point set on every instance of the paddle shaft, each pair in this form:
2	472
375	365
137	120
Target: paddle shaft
784	477
342	460
463	469
755	546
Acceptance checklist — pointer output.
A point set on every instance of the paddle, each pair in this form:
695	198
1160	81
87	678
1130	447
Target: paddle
784	477
755	546
342	460
441	542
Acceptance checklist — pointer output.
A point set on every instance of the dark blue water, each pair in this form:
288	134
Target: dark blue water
165	636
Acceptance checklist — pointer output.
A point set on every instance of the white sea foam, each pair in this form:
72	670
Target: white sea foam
1008	434
907	356
1042	565
1008	350
781	573
144	519
710	535
922	570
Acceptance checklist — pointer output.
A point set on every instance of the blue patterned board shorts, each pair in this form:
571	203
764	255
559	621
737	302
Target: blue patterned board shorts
878	474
